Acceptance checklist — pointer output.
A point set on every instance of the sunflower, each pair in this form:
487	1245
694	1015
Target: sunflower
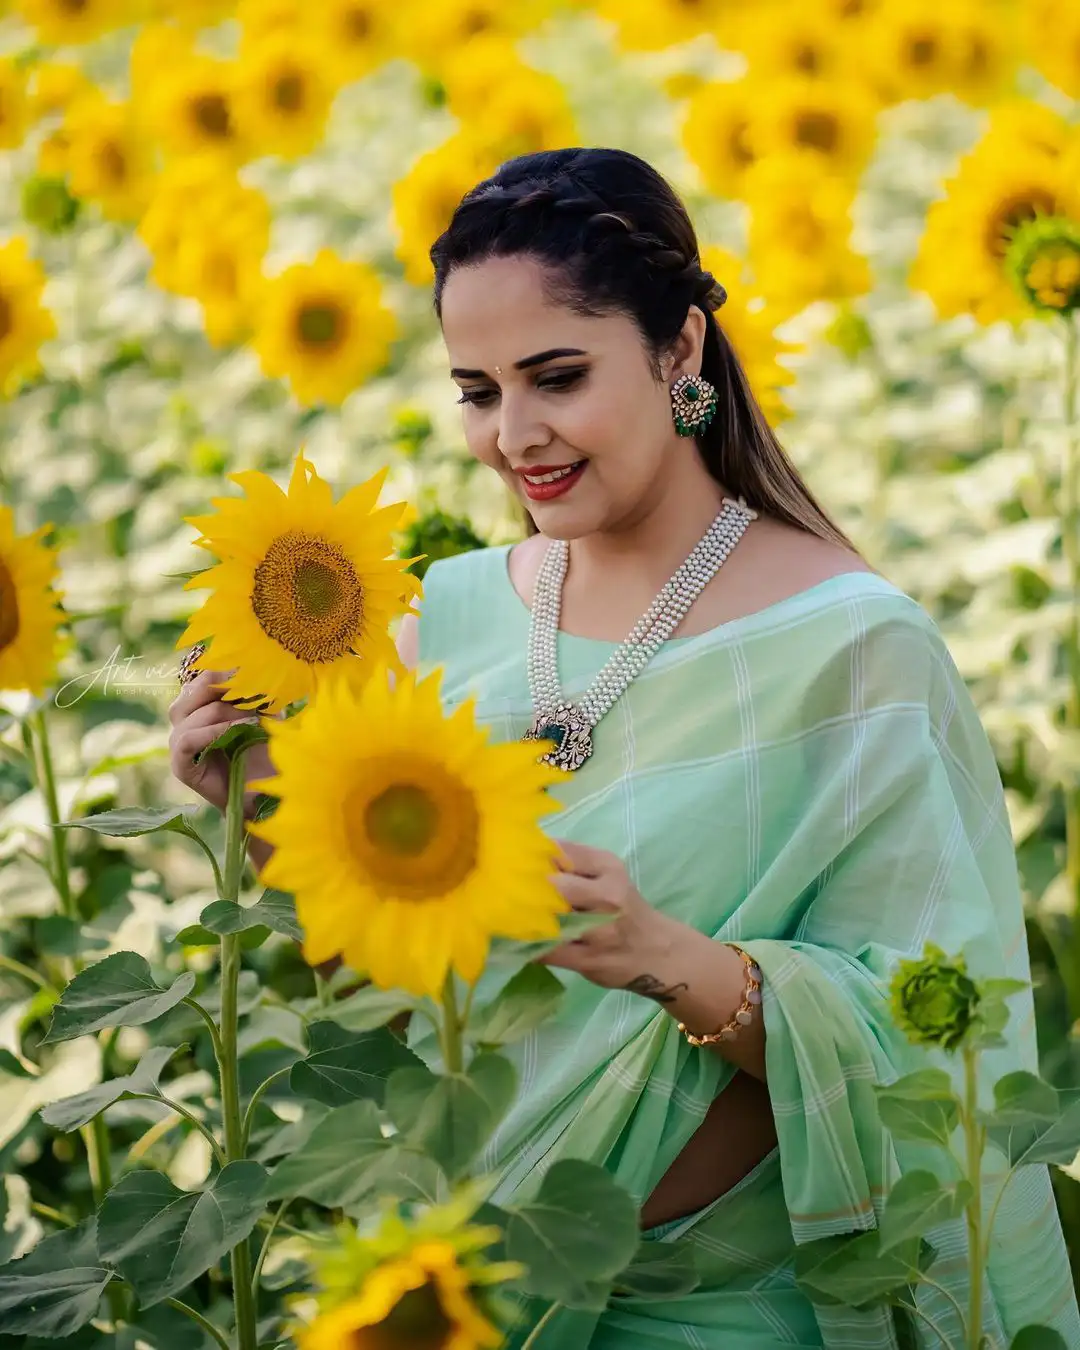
425	1283
651	25
922	48
192	14
1052	40
358	35
190	107
284	93
259	19
25	323
108	158
408	840
221	267
716	133
30	611
55	86
1030	126
525	113
63	23
323	326
426	198
431	31
800	232
14	105
305	587
750	327
834	120
961	262
196	198
796	37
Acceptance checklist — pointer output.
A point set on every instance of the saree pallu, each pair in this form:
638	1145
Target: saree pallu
811	781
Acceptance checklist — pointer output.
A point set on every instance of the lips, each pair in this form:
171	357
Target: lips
542	482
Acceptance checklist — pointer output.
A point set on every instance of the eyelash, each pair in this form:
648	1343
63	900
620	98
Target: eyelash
560	383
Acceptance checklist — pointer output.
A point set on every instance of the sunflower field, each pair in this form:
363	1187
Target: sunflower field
216	333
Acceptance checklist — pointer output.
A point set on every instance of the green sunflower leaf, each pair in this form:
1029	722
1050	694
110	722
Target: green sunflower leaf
343	1067
851	1269
572	926
522	1004
452	1116
240	736
160	1238
54	1290
126	822
579	1231
921	1106
917	1203
70	1113
370	1007
660	1270
117	992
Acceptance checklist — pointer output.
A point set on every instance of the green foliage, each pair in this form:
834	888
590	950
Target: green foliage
117	992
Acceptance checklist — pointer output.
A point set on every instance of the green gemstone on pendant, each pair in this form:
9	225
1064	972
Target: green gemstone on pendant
691	393
552	732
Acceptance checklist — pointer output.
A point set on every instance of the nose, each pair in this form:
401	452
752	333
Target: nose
519	427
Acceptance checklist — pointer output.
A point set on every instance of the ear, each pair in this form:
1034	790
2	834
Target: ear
690	344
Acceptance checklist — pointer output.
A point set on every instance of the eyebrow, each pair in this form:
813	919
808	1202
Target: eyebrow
523	364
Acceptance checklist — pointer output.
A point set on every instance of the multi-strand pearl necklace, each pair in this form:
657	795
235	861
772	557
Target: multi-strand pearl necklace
569	726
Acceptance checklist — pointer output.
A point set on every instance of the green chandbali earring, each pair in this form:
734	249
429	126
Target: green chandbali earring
693	403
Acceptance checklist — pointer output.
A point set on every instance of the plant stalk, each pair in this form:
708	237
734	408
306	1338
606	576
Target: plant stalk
451	1028
974	1140
240	1260
1070	547
534	1335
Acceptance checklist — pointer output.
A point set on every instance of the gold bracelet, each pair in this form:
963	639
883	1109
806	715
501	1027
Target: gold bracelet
744	1014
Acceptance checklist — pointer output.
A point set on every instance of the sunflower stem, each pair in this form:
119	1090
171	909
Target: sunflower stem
451	1027
974	1139
1070	537
235	1148
46	778
534	1335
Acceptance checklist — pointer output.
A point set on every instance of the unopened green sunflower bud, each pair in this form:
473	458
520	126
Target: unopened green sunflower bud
47	203
849	333
934	1001
1043	260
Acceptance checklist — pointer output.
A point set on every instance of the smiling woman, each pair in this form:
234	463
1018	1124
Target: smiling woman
752	728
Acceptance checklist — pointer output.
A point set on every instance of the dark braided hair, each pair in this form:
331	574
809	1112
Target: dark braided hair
614	237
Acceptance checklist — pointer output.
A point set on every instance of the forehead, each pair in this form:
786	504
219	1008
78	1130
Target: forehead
498	307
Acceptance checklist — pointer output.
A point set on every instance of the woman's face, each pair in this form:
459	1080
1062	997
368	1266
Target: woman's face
565	408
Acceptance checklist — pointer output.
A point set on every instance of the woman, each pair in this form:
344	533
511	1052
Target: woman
783	757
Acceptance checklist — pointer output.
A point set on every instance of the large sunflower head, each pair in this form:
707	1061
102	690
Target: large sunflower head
305	588
359	35
25	323
109	159
421	1284
221	268
324	327
30	611
961	262
833	120
190	107
923	48
425	199
284	93
408	840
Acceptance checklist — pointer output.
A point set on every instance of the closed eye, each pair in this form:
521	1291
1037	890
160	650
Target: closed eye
561	382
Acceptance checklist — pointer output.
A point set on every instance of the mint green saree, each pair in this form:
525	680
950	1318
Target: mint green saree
812	781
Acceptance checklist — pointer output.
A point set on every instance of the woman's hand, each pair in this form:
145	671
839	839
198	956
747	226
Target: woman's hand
199	715
628	952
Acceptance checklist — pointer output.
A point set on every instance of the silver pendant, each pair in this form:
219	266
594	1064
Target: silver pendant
570	733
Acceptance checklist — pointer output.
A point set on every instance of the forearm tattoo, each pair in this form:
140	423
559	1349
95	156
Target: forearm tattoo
653	988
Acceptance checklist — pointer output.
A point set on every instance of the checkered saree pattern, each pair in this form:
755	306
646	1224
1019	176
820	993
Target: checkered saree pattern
813	782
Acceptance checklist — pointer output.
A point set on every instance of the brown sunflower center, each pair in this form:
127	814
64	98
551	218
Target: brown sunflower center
9	609
1013	212
320	324
357	23
221	274
474	22
922	50
414	828
308	598
212	116
807	58
74	7
739	144
416	1322
7	317
113	163
289	91
818	130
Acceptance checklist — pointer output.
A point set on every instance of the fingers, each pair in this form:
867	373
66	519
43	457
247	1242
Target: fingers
206	687
191	741
586	861
581	893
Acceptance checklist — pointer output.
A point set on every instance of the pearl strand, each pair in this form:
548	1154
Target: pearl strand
647	636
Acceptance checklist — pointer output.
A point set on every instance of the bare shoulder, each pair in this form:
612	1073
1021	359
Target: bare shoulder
524	563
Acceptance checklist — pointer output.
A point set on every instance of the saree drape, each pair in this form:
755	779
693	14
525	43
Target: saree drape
813	782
